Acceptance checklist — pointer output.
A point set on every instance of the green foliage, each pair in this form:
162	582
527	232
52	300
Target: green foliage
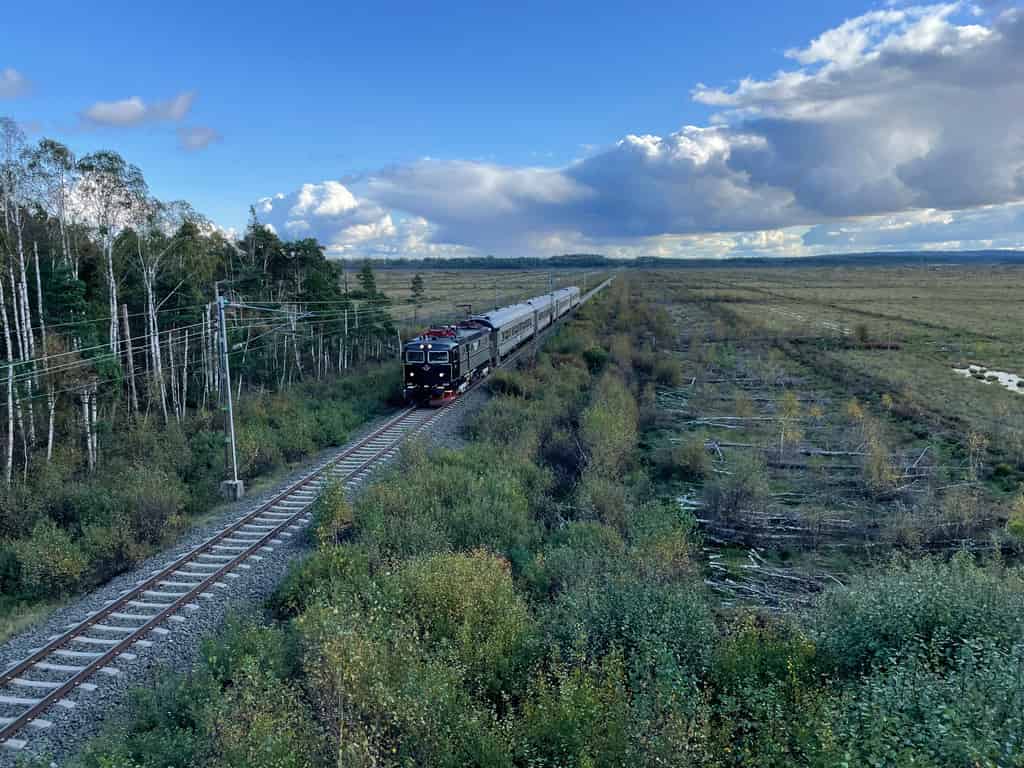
578	554
577	715
690	459
609	427
744	488
51	563
926	600
450	500
332	514
467	603
664	631
329	574
933	706
667	371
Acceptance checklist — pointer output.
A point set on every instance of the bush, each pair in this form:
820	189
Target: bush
466	602
664	631
668	372
331	573
690	459
609	426
925	600
578	715
50	562
768	698
258	452
663	537
508	383
579	553
450	501
332	515
745	488
152	499
334	423
393	703
932	706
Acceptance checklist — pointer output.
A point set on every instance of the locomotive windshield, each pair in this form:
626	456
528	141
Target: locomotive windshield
438	357
414	356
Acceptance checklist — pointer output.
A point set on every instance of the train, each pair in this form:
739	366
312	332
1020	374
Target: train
442	363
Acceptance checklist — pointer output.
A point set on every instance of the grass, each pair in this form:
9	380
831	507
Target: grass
18	615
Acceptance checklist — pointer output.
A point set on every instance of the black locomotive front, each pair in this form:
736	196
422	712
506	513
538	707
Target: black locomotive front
429	370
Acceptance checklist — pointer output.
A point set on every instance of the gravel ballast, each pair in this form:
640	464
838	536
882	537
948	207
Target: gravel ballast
179	649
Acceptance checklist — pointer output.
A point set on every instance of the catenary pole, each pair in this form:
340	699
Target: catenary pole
235	489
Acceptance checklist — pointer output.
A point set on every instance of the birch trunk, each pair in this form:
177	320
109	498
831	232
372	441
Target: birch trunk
130	355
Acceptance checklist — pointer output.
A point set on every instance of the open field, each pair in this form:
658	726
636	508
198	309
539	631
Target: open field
836	388
482	289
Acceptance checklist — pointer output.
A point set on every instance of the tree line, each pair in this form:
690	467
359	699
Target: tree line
108	314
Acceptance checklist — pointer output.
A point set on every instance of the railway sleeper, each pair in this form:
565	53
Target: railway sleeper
38	724
22	701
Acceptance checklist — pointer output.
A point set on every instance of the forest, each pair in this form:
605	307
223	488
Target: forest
111	382
541	598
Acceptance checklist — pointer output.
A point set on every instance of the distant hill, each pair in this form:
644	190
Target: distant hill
598	261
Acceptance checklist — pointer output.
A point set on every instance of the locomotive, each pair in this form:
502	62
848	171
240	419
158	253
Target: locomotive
442	363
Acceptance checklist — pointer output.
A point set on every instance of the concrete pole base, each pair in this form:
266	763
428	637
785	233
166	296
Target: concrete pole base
232	490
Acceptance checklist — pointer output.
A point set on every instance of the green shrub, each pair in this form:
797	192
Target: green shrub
927	600
578	715
508	383
668	372
604	498
609	426
331	573
744	488
390	700
332	514
932	706
152	499
690	459
449	500
257	448
111	549
663	537
664	631
50	562
466	602
579	553
596	359
334	423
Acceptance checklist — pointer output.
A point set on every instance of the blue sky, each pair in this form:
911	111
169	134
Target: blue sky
484	127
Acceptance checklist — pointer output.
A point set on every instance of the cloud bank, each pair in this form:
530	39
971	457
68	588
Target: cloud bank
903	127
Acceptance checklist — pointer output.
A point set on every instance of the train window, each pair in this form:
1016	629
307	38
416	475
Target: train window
414	356
439	357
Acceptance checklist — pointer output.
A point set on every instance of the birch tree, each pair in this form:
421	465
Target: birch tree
109	188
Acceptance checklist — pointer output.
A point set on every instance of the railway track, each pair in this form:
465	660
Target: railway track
53	673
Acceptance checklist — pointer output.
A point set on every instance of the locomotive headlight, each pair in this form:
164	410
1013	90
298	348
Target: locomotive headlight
441	374
411	374
430	346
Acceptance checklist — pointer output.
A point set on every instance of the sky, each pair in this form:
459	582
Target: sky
696	129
